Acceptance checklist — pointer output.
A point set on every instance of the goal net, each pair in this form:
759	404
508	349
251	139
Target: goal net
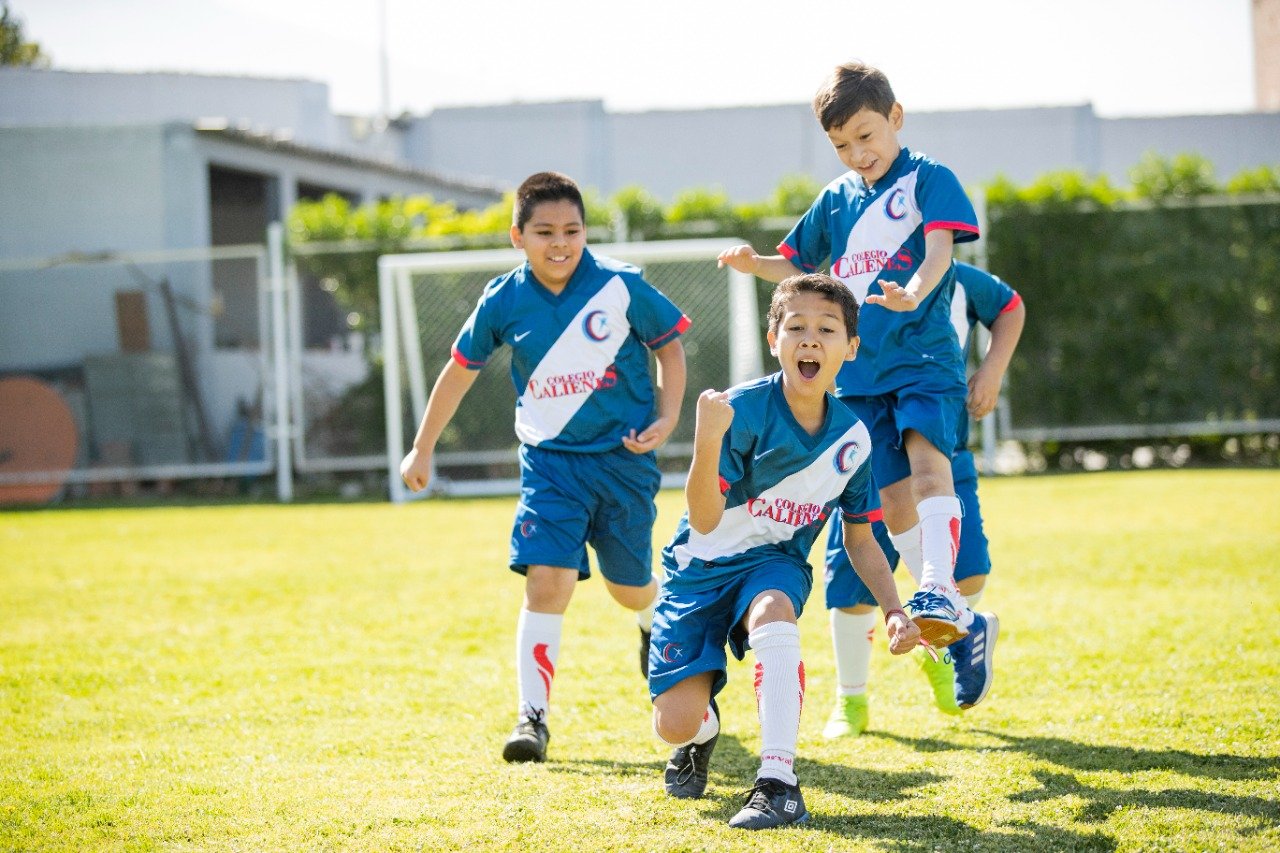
426	297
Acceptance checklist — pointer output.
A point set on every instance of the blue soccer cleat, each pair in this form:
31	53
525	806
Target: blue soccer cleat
973	659
771	803
936	617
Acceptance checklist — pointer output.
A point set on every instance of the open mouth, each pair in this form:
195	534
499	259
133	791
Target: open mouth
808	369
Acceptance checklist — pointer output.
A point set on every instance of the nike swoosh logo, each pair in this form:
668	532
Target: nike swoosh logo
760	456
520	337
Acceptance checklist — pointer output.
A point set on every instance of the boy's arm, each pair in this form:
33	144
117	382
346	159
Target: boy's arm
671	379
772	268
869	562
702	489
984	385
937	258
451	386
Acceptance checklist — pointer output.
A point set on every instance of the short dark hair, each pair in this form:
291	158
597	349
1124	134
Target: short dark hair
543	187
821	284
851	87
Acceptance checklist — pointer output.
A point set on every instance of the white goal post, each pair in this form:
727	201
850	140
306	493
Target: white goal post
732	301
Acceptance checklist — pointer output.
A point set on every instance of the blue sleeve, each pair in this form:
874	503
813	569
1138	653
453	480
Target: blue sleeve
654	317
944	204
808	246
860	500
986	295
479	336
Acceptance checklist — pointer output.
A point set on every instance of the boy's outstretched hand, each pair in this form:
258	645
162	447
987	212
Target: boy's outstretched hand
904	635
741	258
652	437
895	298
415	470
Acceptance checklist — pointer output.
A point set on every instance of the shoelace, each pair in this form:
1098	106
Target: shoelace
759	794
685	773
532	718
930	600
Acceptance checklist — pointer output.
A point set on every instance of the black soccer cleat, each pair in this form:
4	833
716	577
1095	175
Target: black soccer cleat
645	637
529	740
771	803
686	775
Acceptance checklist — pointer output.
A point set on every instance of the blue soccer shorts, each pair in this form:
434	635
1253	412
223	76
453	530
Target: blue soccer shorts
937	417
691	629
570	500
845	589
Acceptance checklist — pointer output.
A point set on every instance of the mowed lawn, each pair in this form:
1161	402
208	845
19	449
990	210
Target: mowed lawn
319	677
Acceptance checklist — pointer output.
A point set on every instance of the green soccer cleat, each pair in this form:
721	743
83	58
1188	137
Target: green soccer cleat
942	678
849	716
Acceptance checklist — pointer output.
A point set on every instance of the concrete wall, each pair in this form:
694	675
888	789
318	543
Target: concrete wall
45	97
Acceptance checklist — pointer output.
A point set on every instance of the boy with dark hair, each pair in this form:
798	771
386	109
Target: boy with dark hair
980	297
887	227
580	328
772	460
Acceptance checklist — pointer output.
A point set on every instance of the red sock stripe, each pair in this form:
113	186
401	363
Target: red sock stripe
546	669
801	673
955	542
759	681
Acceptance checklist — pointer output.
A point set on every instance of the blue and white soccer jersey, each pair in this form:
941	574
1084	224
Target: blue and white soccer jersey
909	373
780	485
980	298
580	366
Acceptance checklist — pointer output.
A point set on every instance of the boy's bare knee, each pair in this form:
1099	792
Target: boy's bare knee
633	597
770	606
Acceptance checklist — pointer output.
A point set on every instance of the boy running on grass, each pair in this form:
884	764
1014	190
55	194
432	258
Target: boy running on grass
773	459
580	328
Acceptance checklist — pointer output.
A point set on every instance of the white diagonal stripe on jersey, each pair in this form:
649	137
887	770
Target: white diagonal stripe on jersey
876	232
541	418
740	531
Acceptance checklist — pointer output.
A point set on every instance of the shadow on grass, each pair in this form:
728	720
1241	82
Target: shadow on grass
1121	759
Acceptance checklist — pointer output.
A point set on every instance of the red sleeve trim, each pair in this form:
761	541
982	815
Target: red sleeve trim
876	514
465	362
678	329
951	226
792	255
724	485
1013	303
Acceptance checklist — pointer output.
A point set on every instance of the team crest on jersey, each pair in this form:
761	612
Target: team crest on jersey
846	456
895	206
596	326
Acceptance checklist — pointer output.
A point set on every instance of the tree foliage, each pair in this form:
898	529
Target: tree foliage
14	47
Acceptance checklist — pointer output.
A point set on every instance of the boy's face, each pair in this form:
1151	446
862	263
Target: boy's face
553	240
811	342
868	142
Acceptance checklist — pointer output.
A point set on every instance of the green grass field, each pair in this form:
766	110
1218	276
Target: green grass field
340	677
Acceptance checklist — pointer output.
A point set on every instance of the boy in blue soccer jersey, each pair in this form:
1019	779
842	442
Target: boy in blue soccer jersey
580	328
772	460
887	228
979	298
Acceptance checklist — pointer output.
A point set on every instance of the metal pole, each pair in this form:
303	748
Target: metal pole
745	359
284	460
391	382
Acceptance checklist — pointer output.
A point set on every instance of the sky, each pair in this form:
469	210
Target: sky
1126	57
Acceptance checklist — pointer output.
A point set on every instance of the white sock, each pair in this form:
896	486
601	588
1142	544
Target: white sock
851	636
939	545
779	697
644	618
908	545
710	728
974	599
537	646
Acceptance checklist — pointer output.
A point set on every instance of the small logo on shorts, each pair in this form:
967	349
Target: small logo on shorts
672	652
528	527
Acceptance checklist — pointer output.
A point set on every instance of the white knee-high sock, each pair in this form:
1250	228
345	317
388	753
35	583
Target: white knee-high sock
537	647
939	545
973	600
908	544
779	696
851	636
